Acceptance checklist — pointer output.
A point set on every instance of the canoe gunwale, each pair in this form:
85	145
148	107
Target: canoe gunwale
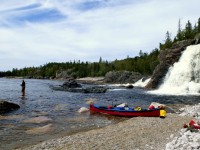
121	111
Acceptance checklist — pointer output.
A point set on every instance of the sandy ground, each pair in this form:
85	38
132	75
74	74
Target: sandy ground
140	133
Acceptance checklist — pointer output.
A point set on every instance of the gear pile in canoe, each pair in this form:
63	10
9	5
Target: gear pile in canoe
126	111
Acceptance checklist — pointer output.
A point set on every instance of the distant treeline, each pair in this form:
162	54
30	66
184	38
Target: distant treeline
144	63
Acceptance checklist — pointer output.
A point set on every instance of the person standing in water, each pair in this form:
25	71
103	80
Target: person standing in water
23	87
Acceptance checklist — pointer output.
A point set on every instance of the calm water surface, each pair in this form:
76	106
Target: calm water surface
16	129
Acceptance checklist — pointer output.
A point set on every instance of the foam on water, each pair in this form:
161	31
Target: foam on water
141	82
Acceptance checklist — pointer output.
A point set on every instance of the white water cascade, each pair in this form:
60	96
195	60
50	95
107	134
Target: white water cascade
183	78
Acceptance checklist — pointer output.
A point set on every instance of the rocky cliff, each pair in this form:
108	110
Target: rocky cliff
166	59
122	77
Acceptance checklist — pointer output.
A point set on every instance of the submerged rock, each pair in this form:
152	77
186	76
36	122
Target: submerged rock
7	106
40	119
40	130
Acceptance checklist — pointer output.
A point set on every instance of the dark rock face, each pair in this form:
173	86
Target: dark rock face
71	83
167	58
122	77
130	86
72	86
94	89
7	106
197	38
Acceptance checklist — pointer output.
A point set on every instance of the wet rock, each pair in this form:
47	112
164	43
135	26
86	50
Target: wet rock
130	86
71	83
7	106
93	89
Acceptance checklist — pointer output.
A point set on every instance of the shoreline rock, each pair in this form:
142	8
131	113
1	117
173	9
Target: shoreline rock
72	86
7	106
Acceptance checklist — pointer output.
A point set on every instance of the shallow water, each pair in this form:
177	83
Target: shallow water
46	114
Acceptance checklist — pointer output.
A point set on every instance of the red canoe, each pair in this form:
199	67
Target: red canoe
127	112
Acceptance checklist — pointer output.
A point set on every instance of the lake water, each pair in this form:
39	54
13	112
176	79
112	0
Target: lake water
60	109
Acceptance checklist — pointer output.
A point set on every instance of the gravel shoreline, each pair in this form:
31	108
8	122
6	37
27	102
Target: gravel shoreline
138	133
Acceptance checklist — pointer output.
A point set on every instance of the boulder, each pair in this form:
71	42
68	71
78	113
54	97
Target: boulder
72	86
94	89
71	83
7	106
122	77
166	59
130	86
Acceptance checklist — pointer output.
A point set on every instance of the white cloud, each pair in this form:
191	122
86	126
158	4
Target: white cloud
112	30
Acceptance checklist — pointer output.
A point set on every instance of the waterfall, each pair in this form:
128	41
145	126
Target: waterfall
183	78
141	82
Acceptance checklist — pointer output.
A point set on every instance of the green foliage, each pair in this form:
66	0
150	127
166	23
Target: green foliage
198	27
144	64
168	42
188	32
179	35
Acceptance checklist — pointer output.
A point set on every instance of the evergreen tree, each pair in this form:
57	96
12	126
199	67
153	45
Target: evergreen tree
198	27
188	31
100	60
179	35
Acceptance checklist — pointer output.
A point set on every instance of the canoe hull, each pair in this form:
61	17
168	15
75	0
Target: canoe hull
125	113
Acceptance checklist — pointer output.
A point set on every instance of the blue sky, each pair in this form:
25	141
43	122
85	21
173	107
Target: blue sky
35	32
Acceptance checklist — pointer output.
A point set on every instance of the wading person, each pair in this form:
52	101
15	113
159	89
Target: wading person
23	87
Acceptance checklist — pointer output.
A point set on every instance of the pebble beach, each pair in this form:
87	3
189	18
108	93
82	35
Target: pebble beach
138	133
